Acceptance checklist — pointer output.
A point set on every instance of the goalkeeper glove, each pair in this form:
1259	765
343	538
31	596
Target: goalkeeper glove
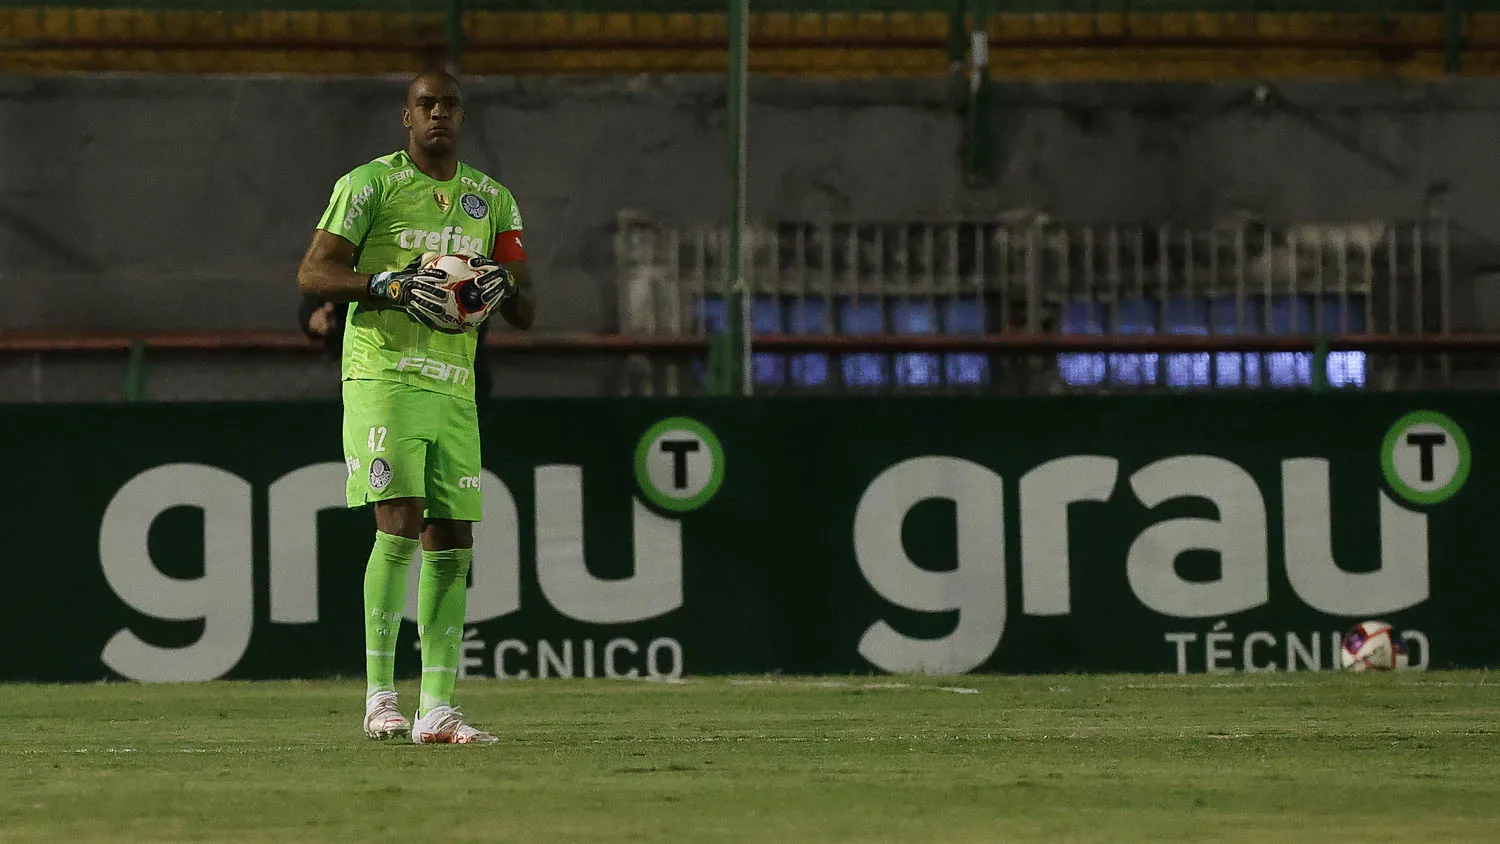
495	282
416	291
395	286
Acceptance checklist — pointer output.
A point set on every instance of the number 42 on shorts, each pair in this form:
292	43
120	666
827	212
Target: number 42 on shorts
377	439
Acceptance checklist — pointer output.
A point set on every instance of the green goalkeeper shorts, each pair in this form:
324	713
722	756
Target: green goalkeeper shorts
402	441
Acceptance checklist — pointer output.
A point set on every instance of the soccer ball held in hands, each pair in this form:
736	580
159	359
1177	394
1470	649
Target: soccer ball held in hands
460	291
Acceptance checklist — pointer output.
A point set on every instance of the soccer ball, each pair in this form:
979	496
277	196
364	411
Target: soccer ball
464	309
1372	646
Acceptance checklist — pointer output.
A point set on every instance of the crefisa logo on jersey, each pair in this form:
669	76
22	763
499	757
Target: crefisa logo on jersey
474	205
357	205
481	186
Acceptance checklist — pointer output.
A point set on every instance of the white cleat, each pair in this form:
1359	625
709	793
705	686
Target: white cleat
383	719
444	725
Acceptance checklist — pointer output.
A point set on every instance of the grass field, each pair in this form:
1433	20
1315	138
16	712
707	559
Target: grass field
1301	757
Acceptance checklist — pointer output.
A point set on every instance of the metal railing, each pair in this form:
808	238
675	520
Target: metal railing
968	290
859	307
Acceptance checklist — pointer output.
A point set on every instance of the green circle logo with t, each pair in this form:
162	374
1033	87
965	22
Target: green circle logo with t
679	464
1425	457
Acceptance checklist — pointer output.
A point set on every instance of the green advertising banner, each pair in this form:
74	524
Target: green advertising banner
655	538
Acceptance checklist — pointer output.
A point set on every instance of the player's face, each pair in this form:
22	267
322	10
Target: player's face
435	114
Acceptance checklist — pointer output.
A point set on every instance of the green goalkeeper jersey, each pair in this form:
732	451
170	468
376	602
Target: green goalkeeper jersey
392	213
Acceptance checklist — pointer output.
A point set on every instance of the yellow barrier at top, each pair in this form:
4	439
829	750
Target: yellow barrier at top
1094	45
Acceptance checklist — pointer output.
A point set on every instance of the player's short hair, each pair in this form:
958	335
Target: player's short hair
452	80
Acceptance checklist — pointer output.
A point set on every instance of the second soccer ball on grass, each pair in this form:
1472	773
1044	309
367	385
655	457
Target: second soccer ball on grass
1373	646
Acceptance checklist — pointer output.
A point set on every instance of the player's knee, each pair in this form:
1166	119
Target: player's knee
447	534
399	517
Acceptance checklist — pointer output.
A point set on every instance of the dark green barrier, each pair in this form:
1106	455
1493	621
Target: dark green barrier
1153	534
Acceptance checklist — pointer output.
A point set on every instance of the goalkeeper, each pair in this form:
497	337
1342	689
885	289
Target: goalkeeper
411	432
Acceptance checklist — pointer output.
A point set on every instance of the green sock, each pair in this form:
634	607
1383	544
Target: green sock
385	597
442	593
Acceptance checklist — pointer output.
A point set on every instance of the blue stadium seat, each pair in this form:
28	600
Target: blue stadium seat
963	315
1188	369
1224	316
1135	316
916	369
863	316
809	315
711	314
1345	315
1083	369
768	369
1236	369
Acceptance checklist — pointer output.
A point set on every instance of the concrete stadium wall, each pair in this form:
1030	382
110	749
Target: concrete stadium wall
184	203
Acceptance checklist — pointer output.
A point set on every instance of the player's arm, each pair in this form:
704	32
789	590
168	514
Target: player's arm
327	270
519	310
519	307
325	273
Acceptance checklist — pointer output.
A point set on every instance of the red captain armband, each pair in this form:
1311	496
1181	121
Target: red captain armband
508	247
